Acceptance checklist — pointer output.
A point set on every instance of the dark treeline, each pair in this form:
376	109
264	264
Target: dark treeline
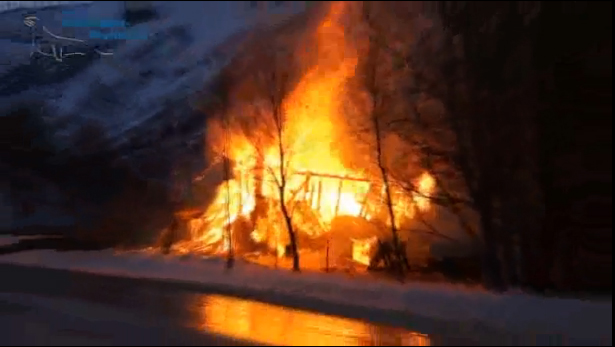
119	195
532	116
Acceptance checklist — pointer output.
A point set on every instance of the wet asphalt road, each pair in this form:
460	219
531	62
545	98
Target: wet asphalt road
51	307
56	307
47	307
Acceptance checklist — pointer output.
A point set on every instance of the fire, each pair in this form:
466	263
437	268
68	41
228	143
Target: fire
316	176
362	250
425	187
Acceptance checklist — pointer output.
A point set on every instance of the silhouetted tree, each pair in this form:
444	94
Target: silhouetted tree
263	121
502	73
376	127
26	137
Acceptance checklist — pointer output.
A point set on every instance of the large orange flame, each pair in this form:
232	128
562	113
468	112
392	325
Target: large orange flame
316	175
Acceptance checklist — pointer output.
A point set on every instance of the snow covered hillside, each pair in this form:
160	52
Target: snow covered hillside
11	5
141	77
129	100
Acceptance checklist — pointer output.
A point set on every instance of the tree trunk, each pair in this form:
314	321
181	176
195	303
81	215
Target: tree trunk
390	210
282	188
376	94
260	203
289	228
491	265
509	260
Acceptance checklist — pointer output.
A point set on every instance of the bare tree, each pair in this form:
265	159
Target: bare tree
462	167
472	71
230	256
265	128
376	128
485	66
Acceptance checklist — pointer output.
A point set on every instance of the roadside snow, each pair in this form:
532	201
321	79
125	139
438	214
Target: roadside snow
513	313
7	240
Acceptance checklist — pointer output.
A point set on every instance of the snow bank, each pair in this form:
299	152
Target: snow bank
7	240
513	313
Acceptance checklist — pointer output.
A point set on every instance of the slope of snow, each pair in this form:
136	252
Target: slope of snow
121	91
146	87
465	308
11	5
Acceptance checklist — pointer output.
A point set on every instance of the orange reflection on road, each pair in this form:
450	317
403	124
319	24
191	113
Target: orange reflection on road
275	325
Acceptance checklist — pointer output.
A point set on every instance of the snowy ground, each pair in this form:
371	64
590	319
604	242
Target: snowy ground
429	307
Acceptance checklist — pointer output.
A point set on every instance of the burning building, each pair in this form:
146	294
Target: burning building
290	160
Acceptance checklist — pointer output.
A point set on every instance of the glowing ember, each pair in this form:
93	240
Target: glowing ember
362	250
425	187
